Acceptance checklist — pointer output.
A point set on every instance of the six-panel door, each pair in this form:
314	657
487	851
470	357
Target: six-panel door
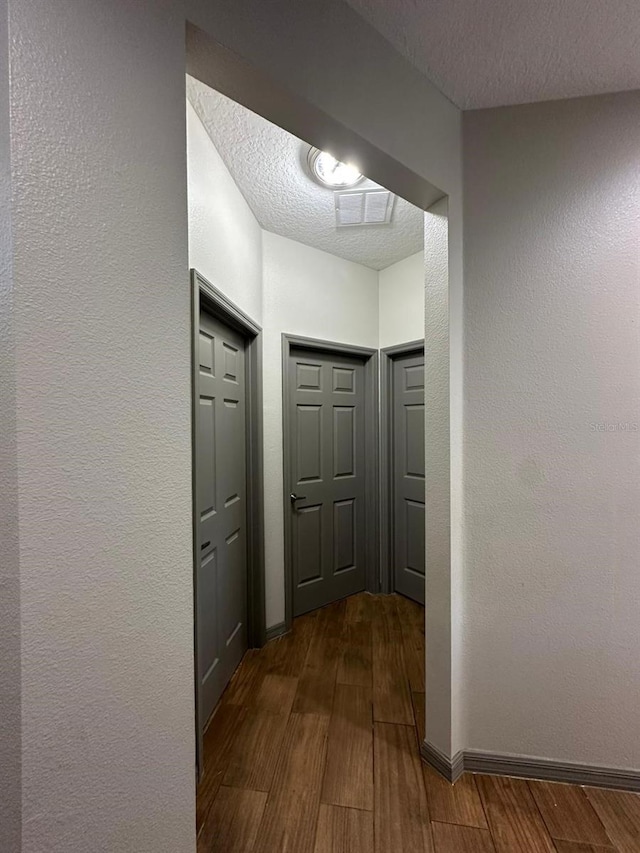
327	465
221	510
408	481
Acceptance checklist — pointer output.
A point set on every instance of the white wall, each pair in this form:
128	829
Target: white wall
311	293
101	326
401	301
552	267
10	741
414	303
440	628
225	239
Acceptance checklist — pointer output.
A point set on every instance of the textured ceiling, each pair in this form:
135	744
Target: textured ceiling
487	53
268	165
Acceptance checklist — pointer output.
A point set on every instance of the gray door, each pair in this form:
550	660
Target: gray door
327	458
221	511
408	475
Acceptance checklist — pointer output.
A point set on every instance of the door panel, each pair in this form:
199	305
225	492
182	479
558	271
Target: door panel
309	443
408	481
344	441
309	544
344	535
221	510
327	453
414	437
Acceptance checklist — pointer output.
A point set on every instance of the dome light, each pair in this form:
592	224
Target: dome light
331	172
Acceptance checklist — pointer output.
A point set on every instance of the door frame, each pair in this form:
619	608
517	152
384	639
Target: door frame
205	295
370	358
387	528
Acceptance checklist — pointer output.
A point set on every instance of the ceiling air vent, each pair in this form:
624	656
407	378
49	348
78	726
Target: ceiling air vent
363	207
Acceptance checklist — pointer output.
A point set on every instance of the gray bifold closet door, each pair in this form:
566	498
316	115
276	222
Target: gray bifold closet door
327	459
408	476
221	510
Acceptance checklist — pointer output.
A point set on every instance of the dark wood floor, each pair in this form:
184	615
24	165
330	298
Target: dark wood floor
314	749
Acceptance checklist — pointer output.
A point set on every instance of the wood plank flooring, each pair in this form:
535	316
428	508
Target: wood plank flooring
314	749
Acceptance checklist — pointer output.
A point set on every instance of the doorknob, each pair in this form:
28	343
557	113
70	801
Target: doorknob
295	497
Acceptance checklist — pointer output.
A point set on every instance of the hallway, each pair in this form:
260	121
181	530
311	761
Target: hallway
314	749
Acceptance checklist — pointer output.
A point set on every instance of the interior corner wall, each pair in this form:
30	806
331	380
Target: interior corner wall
552	478
401	301
10	734
225	238
314	294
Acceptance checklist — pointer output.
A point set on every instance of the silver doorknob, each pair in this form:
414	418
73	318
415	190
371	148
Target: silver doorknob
295	497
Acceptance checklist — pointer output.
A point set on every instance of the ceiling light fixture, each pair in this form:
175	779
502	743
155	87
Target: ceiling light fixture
331	172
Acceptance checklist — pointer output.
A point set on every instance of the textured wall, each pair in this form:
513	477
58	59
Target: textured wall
10	738
438	597
552	268
225	240
401	301
311	293
102	321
